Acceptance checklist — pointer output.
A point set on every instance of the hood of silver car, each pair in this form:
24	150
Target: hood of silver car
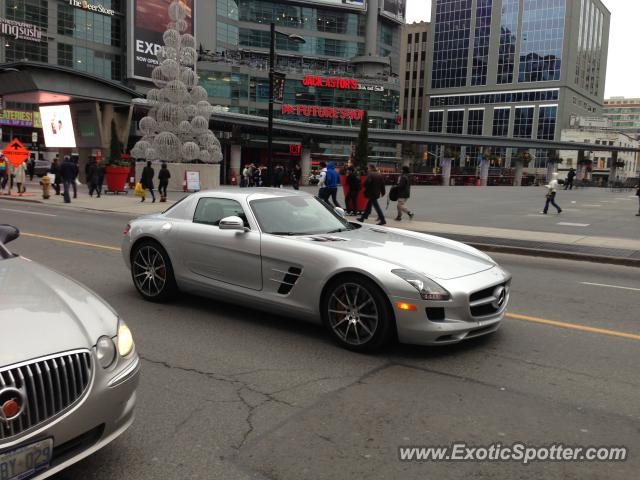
437	258
43	312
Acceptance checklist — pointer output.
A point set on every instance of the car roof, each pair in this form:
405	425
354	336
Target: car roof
248	194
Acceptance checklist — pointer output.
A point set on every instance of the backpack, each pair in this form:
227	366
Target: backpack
393	193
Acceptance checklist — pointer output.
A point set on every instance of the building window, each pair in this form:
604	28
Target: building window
475	122
508	40
455	121
523	122
26	50
101	64
436	120
501	117
451	43
35	12
547	123
542	41
481	45
497	98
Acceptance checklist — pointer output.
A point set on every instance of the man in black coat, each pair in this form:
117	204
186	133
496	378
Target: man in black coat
354	184
68	173
570	178
404	192
374	189
147	180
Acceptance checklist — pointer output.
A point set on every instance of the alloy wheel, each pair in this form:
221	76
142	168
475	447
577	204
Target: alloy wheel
149	271
353	314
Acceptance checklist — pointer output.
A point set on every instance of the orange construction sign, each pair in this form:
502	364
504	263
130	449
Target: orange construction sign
16	153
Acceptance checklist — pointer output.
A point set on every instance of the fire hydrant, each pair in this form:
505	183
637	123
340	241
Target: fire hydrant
45	182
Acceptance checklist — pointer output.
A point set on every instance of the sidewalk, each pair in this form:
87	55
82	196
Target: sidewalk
595	248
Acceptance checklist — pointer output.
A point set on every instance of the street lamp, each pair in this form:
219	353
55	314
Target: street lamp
272	71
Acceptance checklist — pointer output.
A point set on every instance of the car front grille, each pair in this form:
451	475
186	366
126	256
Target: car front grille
50	386
484	302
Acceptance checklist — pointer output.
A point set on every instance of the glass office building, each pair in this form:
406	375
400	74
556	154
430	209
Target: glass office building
519	68
71	36
624	115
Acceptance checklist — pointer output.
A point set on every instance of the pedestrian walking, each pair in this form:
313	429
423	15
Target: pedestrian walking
68	175
147	181
55	171
296	175
404	192
278	177
322	178
91	172
552	190
246	176
21	178
570	178
374	189
331	182
354	184
638	195
31	167
4	173
163	181
75	182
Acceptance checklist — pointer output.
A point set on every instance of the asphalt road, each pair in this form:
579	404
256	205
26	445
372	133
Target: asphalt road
228	392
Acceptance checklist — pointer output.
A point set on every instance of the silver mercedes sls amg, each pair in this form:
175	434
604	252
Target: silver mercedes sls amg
289	253
68	369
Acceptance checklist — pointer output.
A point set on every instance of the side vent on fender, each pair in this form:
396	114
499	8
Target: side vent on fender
289	280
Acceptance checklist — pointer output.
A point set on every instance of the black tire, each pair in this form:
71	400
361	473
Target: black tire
152	272
348	306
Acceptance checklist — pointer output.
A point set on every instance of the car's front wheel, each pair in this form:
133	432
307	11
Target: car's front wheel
357	314
152	272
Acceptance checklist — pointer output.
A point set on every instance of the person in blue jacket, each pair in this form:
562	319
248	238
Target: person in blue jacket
331	182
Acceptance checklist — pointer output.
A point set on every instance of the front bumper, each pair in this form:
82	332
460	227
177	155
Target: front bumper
444	323
101	416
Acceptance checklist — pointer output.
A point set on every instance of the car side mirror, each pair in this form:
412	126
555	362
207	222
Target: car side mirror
232	223
341	212
8	233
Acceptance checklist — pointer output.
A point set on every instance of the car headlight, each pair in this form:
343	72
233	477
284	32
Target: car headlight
427	288
125	339
105	351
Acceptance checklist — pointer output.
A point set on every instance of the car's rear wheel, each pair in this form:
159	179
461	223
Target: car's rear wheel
152	272
357	314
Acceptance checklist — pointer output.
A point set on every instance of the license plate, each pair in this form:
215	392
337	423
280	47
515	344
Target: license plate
25	461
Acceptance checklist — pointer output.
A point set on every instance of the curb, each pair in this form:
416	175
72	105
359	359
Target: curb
536	252
14	199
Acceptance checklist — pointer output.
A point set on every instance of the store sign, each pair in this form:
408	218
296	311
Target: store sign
371	88
295	149
92	7
17	118
323	112
20	30
329	82
148	23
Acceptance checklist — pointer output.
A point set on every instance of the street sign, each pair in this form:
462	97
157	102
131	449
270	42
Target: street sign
34	137
16	153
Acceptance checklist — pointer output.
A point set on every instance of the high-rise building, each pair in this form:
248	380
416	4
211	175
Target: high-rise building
623	115
516	68
413	77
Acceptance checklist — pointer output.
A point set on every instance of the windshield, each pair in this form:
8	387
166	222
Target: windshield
297	216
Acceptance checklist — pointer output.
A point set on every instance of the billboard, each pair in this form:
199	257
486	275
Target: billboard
57	127
149	21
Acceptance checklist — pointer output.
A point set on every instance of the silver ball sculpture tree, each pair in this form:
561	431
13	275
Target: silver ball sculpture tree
176	129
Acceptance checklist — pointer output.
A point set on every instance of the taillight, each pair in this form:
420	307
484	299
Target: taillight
127	230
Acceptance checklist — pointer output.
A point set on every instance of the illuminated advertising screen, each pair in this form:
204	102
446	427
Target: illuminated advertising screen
57	127
149	21
394	8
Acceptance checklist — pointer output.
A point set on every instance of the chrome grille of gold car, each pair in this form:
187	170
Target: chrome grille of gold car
43	388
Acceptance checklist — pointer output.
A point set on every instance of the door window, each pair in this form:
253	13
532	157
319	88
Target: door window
211	210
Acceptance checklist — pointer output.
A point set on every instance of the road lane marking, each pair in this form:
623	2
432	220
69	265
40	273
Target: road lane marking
587	205
27	211
72	242
568	224
574	326
610	286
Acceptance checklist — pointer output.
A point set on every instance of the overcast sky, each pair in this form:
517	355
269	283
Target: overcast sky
623	72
